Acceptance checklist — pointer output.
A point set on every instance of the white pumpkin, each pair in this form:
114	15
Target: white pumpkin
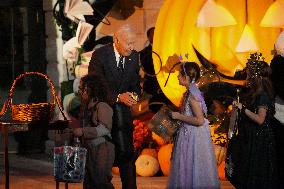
147	166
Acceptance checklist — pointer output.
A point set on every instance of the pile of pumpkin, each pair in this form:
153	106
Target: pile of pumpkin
154	153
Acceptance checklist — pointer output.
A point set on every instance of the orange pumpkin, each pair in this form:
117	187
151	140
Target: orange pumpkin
176	31
164	157
115	170
150	152
221	171
159	140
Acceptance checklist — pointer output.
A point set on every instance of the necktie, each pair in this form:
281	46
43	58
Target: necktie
120	63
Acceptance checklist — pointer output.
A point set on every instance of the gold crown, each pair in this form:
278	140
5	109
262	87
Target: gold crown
255	64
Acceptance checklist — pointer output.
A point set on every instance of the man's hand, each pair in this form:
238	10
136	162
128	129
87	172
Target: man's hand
127	99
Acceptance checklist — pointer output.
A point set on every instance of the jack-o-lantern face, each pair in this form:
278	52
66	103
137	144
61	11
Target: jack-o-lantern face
176	32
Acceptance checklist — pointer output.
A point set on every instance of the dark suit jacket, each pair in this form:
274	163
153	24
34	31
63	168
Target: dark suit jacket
151	85
103	63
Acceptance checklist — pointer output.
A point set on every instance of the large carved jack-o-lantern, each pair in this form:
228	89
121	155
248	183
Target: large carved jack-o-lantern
176	32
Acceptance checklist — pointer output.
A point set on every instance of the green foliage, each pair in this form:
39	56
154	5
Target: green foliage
72	26
80	58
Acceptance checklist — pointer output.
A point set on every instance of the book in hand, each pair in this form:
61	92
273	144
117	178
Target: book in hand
163	125
70	48
76	9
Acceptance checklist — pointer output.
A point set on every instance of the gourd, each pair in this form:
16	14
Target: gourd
220	153
150	151
221	171
115	170
146	165
164	157
159	140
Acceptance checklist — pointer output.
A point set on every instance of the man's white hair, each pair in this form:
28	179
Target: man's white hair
124	29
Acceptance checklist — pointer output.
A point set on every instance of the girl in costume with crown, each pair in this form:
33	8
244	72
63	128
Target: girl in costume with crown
193	162
255	159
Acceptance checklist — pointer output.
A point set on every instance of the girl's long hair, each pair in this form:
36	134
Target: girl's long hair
190	69
259	83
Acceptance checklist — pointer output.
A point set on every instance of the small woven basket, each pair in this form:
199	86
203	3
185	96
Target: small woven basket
35	111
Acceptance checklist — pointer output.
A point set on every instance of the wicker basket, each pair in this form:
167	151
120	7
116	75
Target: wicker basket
36	111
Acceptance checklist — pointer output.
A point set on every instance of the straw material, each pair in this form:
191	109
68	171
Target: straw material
36	111
32	112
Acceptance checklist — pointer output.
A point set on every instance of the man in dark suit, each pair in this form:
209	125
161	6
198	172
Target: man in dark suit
151	85
118	63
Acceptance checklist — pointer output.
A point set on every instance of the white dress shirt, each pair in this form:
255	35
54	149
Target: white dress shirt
117	56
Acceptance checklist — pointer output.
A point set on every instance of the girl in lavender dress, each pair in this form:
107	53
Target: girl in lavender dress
193	163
